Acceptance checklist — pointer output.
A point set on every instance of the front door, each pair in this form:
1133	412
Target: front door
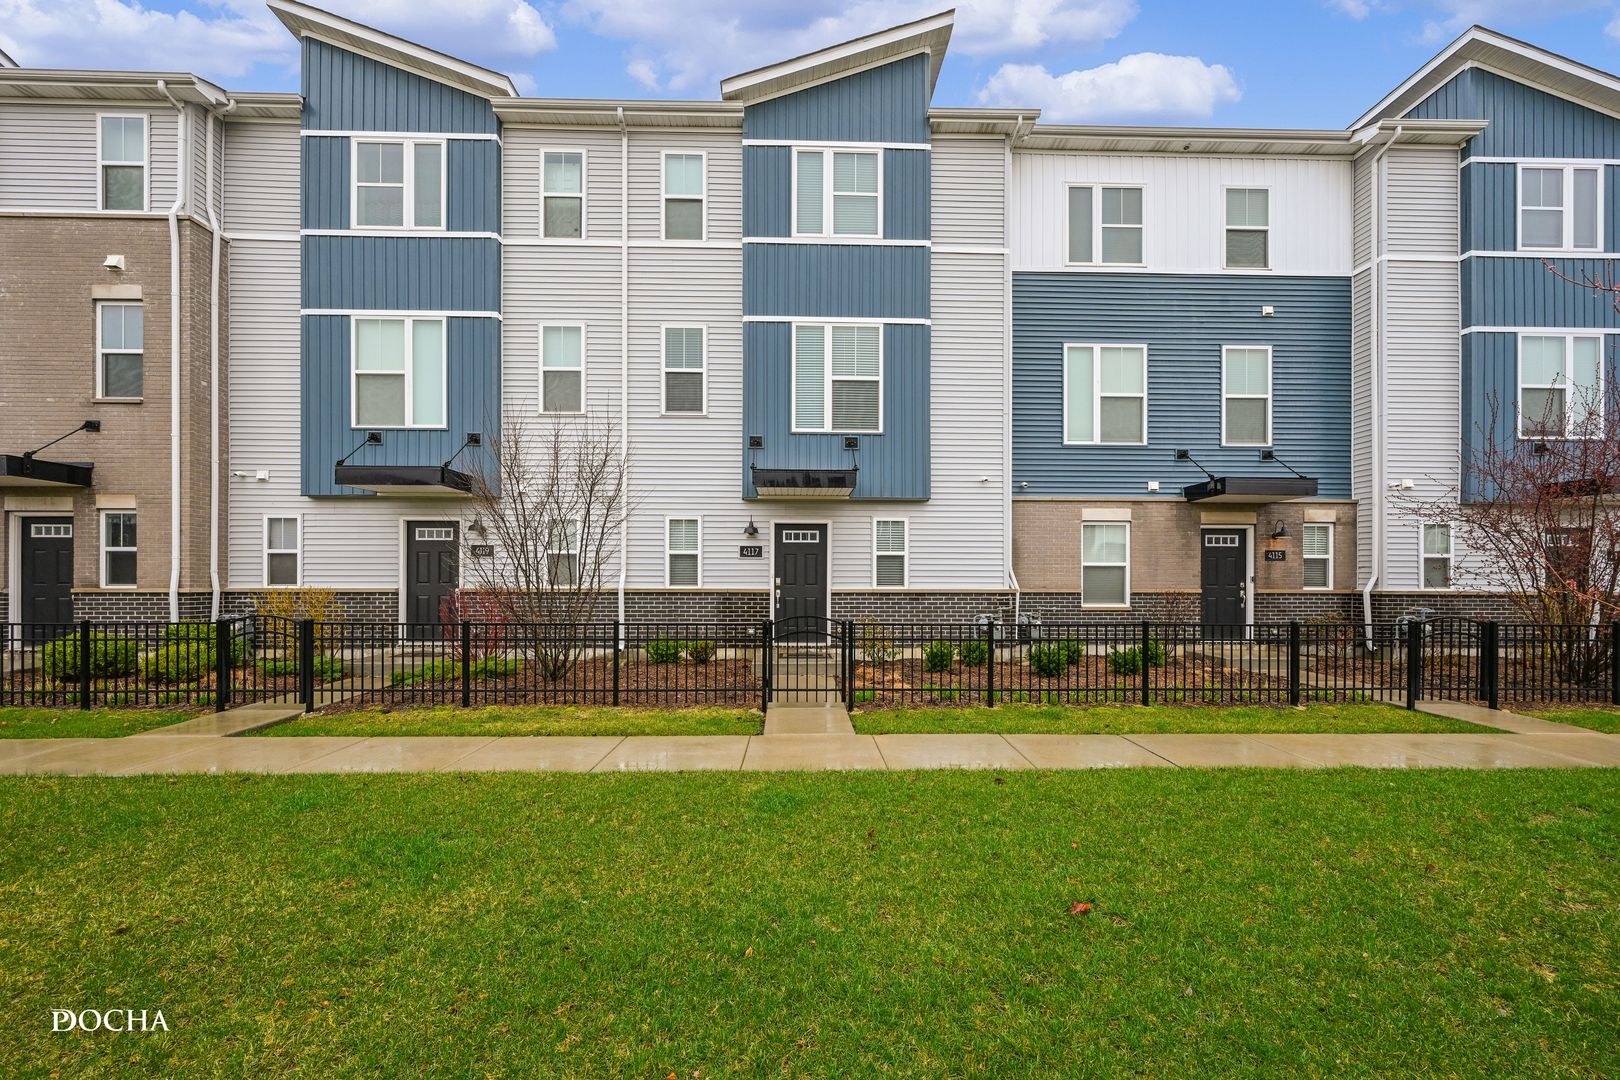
432	571
801	581
46	573
1226	581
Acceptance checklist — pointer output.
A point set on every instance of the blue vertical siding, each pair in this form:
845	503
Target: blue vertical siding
893	465
1523	292
768	205
847	280
344	91
1524	121
404	273
472	184
325	182
907	186
1490	200
1184	321
883	104
473	353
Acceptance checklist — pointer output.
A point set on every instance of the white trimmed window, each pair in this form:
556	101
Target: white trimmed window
683	558
1316	546
1437	556
118	549
398	184
562	553
837	197
683	196
120	350
1105	394
1248	228
838	378
399	373
281	550
1560	386
1105	225
891	562
1245	396
1105	564
121	162
562	369
1560	207
562	194
685	374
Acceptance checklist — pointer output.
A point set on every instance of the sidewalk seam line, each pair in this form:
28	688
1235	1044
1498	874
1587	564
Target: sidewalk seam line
1016	752
1155	753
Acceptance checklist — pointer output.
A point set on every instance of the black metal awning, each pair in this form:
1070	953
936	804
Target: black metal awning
23	470
804	483
404	479
1250	489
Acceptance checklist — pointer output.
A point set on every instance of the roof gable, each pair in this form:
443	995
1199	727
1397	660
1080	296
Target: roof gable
930	36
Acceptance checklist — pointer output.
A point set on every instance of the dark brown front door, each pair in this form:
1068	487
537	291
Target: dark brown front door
432	572
801	581
46	572
1226	581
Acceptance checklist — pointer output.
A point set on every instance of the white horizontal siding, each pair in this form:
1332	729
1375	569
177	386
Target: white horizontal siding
521	149
1421	215
262	178
48	155
969	200
1184	208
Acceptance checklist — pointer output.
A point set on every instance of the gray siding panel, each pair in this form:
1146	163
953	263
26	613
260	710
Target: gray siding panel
347	92
1523	292
768	211
473	183
1489	205
905	195
261	177
402	273
893	465
1184	321
885	104
835	280
1525	122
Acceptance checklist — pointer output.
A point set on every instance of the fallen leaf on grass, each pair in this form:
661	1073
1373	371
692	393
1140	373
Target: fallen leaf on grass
1080	907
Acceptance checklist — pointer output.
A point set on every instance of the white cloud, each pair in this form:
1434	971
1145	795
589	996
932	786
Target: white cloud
687	46
1613	29
1142	86
1356	9
1445	19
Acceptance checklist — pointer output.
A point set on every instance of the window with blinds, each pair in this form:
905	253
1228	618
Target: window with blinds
1316	546
1105	572
682	555
684	373
683	196
889	553
562	369
281	542
562	195
1248	228
837	378
851	185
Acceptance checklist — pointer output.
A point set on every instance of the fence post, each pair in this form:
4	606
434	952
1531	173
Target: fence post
1142	651
616	651
764	665
1414	662
1490	661
84	663
1293	662
990	662
466	663
222	664
849	665
306	663
1614	663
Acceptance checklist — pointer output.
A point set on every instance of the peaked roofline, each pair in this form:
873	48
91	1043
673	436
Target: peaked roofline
930	34
306	21
1480	46
6	60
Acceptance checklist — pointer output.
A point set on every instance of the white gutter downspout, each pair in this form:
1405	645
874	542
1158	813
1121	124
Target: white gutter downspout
215	117
181	173
1376	397
624	355
1007	370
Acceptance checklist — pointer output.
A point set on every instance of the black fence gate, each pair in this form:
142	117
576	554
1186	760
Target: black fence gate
810	661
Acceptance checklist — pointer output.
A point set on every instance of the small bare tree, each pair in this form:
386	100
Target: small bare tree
553	500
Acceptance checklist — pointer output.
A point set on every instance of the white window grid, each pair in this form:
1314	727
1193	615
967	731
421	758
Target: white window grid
1231	227
561	364
1228	395
829	192
408	359
1097	395
1098	227
702	369
702	198
145	163
296	550
1578	424
682	546
1316	549
581	194
891	541
111	520
407	184
1086	527
1565	206
103	351
828	378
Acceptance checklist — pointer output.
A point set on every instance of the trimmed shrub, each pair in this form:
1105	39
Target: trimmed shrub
1072	651
327	668
112	656
494	667
700	652
938	656
203	632
974	652
178	661
1129	661
1047	661
663	650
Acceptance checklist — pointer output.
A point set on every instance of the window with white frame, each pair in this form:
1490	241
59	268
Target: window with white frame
1105	564
118	549
562	194
562	369
1105	224
1560	207
684	369
1316	550
281	550
399	373
1560	386
890	553
682	553
1245	396
1105	394
121	154
1248	228
683	196
398	184
850	184
1437	556
120	350
562	553
838	378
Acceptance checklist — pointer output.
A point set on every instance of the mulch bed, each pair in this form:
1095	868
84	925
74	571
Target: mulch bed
589	682
1183	679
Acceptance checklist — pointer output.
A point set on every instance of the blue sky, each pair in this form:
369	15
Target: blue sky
1262	63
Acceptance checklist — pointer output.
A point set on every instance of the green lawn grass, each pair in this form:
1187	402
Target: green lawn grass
1598	719
1244	923
25	722
524	720
1145	719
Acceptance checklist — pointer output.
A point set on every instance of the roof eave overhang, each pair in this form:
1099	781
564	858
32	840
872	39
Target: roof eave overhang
266	105
1250	489
417	480
930	34
1190	141
554	112
20	470
92	86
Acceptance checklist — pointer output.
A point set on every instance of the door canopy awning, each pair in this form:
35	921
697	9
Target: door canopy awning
1250	489
423	480
25	470
804	483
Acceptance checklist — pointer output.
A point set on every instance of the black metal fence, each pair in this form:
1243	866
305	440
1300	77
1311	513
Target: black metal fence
864	664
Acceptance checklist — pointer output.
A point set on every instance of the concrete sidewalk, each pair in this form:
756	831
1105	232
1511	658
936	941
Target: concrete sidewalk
163	753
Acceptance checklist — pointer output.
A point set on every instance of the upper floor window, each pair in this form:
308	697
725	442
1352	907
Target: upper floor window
850	185
562	369
1248	228
399	373
1246	396
837	378
122	160
684	369
1560	386
1105	224
398	184
1105	394
562	195
683	196
1560	207
120	356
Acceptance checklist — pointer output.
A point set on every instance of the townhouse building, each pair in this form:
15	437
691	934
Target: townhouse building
863	354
